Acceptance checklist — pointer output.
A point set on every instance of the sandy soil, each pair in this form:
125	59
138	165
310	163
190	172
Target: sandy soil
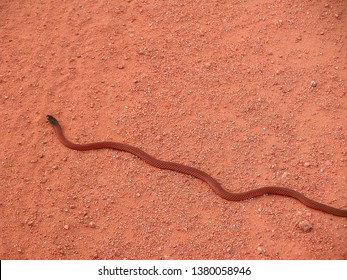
251	92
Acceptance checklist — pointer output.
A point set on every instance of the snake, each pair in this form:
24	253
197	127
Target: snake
213	183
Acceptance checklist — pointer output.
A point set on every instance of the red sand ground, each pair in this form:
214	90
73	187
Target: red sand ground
252	92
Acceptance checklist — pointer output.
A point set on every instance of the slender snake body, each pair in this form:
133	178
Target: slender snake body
216	187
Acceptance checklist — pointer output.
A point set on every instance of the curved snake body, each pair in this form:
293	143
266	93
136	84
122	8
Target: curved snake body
196	173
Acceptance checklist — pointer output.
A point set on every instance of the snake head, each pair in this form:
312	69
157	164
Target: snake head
52	120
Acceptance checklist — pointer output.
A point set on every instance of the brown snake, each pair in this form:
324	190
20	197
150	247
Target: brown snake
195	172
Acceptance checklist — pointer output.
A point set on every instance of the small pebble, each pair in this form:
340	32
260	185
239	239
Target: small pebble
230	250
260	250
313	83
66	227
307	164
305	226
92	224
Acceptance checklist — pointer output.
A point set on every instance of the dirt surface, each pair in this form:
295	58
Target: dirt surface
251	92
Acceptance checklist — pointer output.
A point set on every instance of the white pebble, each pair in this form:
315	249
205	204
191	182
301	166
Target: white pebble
313	83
